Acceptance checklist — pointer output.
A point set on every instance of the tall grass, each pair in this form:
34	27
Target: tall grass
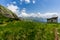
21	30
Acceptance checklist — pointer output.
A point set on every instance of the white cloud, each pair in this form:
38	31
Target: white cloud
14	2
23	13
28	1
33	1
49	15
45	15
13	8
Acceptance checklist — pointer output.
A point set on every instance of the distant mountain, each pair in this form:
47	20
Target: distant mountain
36	19
6	14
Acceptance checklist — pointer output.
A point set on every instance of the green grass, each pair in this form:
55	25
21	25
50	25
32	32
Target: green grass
10	29
23	30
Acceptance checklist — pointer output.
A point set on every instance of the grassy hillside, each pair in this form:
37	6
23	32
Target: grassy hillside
21	30
6	14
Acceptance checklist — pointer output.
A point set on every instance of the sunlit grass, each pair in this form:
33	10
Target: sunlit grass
23	30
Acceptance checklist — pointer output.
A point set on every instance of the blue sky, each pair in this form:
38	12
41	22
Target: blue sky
38	6
34	8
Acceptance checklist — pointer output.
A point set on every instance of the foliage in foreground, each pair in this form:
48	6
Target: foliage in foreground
21	30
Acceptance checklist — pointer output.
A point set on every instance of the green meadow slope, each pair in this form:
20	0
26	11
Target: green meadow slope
25	30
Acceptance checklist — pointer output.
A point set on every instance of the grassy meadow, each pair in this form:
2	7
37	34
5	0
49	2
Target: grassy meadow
24	30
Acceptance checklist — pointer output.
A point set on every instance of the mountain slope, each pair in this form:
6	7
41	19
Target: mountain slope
6	14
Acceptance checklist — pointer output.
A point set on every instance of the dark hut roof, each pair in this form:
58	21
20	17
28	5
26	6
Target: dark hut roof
52	18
